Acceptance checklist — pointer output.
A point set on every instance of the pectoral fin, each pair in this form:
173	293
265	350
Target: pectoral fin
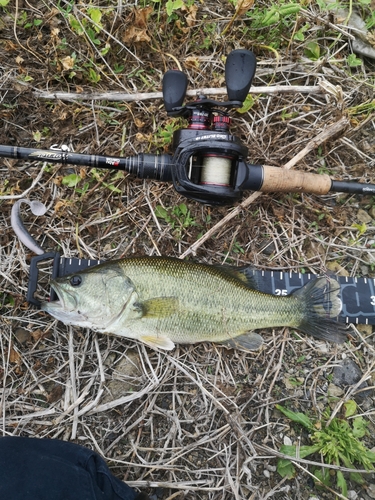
248	341
159	307
155	341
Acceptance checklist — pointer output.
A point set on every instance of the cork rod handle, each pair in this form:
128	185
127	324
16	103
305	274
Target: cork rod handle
277	179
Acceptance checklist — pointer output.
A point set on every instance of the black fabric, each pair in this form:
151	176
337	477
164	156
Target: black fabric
50	469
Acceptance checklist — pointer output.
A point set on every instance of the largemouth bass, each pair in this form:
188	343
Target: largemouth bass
162	301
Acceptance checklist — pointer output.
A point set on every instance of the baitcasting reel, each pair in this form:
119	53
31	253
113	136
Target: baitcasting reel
208	162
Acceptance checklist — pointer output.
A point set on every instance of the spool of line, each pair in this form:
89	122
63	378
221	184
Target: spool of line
216	170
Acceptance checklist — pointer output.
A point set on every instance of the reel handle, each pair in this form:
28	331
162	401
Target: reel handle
240	69
174	90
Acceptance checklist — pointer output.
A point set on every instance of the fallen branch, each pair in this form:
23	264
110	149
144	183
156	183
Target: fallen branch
121	96
330	131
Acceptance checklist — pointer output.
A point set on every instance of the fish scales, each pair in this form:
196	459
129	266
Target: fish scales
162	301
210	301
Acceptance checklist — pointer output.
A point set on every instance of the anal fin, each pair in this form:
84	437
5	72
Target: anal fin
249	341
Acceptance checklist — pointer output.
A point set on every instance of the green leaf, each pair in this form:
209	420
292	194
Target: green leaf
341	483
289	8
71	180
323	476
299	36
247	104
74	24
95	15
370	455
93	76
299	418
312	51
300	33
37	135
350	408
183	208
303	451
112	187
357	478
362	228
161	212
173	5
353	61
105	50
3	3
285	468
288	449
91	33
359	427
270	17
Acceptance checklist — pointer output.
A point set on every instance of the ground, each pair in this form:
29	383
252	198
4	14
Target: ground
199	422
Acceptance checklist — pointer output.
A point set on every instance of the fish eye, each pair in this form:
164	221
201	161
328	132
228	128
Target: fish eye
75	280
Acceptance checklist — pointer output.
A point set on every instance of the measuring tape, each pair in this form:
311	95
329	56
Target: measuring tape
357	294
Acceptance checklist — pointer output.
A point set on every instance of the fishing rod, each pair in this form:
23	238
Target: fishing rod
208	163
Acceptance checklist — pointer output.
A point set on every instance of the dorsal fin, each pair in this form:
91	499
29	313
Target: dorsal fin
245	274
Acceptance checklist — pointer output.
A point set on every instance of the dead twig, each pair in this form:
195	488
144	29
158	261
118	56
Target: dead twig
144	96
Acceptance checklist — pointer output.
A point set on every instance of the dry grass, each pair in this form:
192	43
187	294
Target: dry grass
200	422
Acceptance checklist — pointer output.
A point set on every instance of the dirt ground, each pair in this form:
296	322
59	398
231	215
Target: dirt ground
199	422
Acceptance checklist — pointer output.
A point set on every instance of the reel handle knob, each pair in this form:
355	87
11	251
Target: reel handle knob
240	68
174	89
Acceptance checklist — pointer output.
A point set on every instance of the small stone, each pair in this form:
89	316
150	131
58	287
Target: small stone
266	473
287	441
348	373
22	335
322	347
371	490
336	268
293	383
335	391
365	270
363	216
126	377
352	495
271	468
365	330
110	359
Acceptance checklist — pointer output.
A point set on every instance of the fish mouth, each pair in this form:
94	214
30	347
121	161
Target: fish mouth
61	304
57	291
65	308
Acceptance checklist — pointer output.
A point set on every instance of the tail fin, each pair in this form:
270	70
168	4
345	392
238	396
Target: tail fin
322	303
